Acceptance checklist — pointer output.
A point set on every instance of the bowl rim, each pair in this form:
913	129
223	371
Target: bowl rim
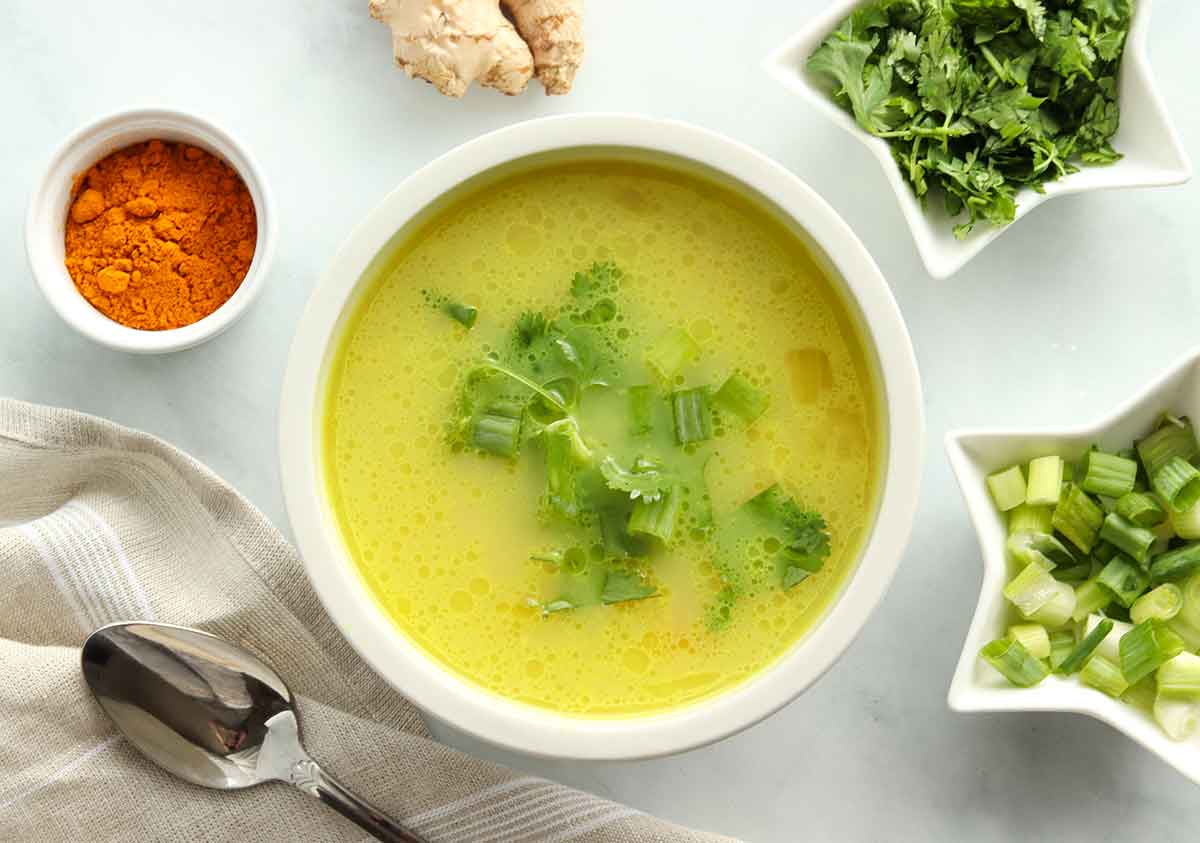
45	220
941	254
517	726
966	693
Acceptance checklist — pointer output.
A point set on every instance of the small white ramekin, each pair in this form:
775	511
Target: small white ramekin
45	225
469	707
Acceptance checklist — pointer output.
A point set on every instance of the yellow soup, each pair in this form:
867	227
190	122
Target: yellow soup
459	547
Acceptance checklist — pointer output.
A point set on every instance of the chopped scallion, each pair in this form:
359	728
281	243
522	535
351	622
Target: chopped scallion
1147	646
641	410
1078	518
1186	524
1033	637
1179	677
1142	509
1127	536
1177	717
1014	662
1174	438
1041	548
1031	589
1162	603
674	350
1030	519
656	518
1058	610
498	429
693	419
1105	676
1178	483
1176	564
742	398
1108	474
1045	481
1062	644
1090	597
1007	488
1078	656
1124	578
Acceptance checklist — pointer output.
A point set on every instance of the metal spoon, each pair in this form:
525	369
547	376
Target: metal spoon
213	714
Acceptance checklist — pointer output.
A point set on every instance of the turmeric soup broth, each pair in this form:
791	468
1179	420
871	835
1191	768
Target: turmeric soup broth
601	437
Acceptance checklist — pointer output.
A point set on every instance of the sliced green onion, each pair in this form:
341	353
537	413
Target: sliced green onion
1078	518
1124	578
1062	644
1186	524
463	314
641	410
1162	603
1014	662
1033	637
1074	574
1147	646
1141	694
1108	474
1127	536
1007	488
1058	610
693	419
1178	718
1179	677
561	472
742	398
671	353
1178	483
498	429
1045	481
1030	519
1189	613
1142	509
656	518
1042	548
1102	552
1105	676
1079	655
1110	646
1176	564
1174	438
1031	589
1090	597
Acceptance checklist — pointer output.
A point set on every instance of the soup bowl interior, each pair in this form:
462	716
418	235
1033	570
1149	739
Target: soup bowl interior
435	688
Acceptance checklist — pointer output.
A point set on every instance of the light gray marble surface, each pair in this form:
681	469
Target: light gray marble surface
1054	324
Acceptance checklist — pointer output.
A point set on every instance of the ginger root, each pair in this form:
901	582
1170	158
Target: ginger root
452	43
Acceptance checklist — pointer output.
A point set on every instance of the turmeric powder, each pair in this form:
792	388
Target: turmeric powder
159	235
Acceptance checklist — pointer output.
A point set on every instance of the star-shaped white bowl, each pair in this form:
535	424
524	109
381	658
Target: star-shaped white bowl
974	454
1154	155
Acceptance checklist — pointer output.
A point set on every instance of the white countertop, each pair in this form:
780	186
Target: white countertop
1055	323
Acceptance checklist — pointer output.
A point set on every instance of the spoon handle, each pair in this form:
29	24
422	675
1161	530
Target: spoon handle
308	776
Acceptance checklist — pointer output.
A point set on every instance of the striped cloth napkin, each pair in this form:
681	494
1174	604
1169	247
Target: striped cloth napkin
98	524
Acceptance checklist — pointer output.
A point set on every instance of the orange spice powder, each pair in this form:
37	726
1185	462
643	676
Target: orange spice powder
159	234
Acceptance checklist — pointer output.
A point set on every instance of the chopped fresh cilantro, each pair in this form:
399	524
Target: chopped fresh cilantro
981	98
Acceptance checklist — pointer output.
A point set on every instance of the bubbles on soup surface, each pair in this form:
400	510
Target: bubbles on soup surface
443	536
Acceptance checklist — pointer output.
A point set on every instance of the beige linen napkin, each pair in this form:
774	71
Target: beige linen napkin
98	524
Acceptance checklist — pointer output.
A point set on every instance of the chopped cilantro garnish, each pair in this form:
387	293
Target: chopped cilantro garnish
980	98
622	463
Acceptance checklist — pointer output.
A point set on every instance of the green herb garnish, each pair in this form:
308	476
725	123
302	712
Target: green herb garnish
981	98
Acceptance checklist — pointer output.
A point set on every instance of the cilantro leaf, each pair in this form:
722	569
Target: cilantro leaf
867	88
647	479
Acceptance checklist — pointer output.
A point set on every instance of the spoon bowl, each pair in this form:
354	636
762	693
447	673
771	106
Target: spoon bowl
213	714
